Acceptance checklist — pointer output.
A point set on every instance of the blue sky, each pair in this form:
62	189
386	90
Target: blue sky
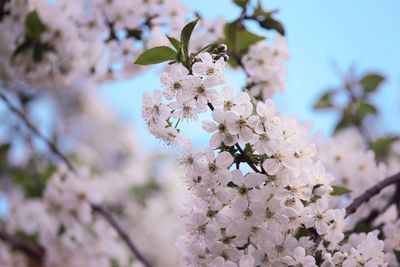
360	33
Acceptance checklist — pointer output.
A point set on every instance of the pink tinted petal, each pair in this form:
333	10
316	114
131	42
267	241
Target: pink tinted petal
209	126
254	179
271	166
224	159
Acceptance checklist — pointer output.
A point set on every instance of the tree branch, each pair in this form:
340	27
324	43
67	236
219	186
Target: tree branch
121	232
242	153
36	253
372	191
49	143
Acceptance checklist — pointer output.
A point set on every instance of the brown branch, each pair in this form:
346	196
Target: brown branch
372	191
35	253
39	252
121	232
32	127
242	153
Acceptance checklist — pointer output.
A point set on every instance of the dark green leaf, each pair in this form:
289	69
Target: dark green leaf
34	27
241	3
381	146
302	231
325	101
270	23
25	45
142	192
156	55
314	198
365	109
32	181
339	191
4	149
61	230
176	44
397	254
37	52
259	10
31	239
238	40
114	263
186	34
134	33
362	227
345	121
370	82
180	56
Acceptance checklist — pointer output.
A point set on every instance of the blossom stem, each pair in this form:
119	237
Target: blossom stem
35	253
121	232
243	154
32	127
372	191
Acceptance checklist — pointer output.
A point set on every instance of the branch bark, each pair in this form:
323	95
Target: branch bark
121	232
243	154
35	253
372	191
32	127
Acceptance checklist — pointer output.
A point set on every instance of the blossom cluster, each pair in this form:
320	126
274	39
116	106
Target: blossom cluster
265	67
50	44
267	204
347	157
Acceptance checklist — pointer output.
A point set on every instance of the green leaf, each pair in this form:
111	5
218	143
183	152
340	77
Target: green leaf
114	263
397	254
325	101
370	82
259	10
302	231
186	34
365	109
175	43
240	3
345	121
134	33
34	27
314	198
339	191
32	181
142	192
381	146
24	46
238	39
4	149
156	55
270	23
61	230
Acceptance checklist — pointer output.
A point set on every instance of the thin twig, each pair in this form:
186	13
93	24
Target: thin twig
242	153
121	232
32	127
35	253
372	191
38	253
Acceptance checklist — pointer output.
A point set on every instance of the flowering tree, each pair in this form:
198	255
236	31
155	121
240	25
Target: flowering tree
261	191
264	192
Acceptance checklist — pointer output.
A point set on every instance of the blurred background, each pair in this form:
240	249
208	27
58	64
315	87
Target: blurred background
94	116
